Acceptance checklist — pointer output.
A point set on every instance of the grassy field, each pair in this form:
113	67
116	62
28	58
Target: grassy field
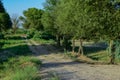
16	62
43	41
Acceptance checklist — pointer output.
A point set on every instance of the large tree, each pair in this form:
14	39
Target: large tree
2	9
49	17
32	18
105	14
72	20
5	22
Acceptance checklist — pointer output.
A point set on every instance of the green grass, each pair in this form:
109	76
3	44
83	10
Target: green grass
16	62
22	68
101	56
43	41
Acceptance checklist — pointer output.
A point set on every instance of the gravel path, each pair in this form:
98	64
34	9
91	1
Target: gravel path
58	65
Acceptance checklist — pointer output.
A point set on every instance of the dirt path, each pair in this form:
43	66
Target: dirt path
66	69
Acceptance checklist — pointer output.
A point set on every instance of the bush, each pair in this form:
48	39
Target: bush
37	34
1	36
43	35
21	31
47	36
1	43
30	33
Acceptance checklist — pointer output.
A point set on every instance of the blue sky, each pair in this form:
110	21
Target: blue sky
18	6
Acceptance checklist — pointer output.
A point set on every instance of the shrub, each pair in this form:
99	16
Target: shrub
47	36
1	36
31	33
1	43
37	34
27	73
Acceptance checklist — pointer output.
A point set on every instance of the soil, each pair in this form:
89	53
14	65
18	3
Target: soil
57	65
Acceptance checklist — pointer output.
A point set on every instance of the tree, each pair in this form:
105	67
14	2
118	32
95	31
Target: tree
49	17
72	20
2	9
15	23
5	22
106	17
32	18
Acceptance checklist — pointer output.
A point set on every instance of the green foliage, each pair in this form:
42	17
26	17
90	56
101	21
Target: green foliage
46	35
16	59
1	36
2	10
23	74
36	61
5	22
49	17
32	18
31	33
115	49
21	31
19	68
15	23
101	56
1	44
43	41
37	34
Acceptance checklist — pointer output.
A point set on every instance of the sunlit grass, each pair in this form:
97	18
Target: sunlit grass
16	62
43	41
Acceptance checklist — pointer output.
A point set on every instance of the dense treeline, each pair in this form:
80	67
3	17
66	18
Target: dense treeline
5	22
88	19
68	20
72	19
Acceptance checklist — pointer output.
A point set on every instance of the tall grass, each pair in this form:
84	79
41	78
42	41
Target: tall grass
16	62
22	68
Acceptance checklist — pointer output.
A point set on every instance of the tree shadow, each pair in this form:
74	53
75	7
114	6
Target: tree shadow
45	49
59	64
14	52
14	38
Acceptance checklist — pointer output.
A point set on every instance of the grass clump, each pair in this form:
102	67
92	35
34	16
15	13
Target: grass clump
16	62
22	68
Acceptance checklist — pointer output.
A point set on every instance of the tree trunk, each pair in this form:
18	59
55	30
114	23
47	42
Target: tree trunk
112	52
80	51
58	40
73	45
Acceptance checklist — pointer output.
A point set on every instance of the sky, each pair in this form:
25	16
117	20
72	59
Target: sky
18	6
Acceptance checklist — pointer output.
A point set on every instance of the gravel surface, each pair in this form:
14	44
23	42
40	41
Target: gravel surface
66	69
